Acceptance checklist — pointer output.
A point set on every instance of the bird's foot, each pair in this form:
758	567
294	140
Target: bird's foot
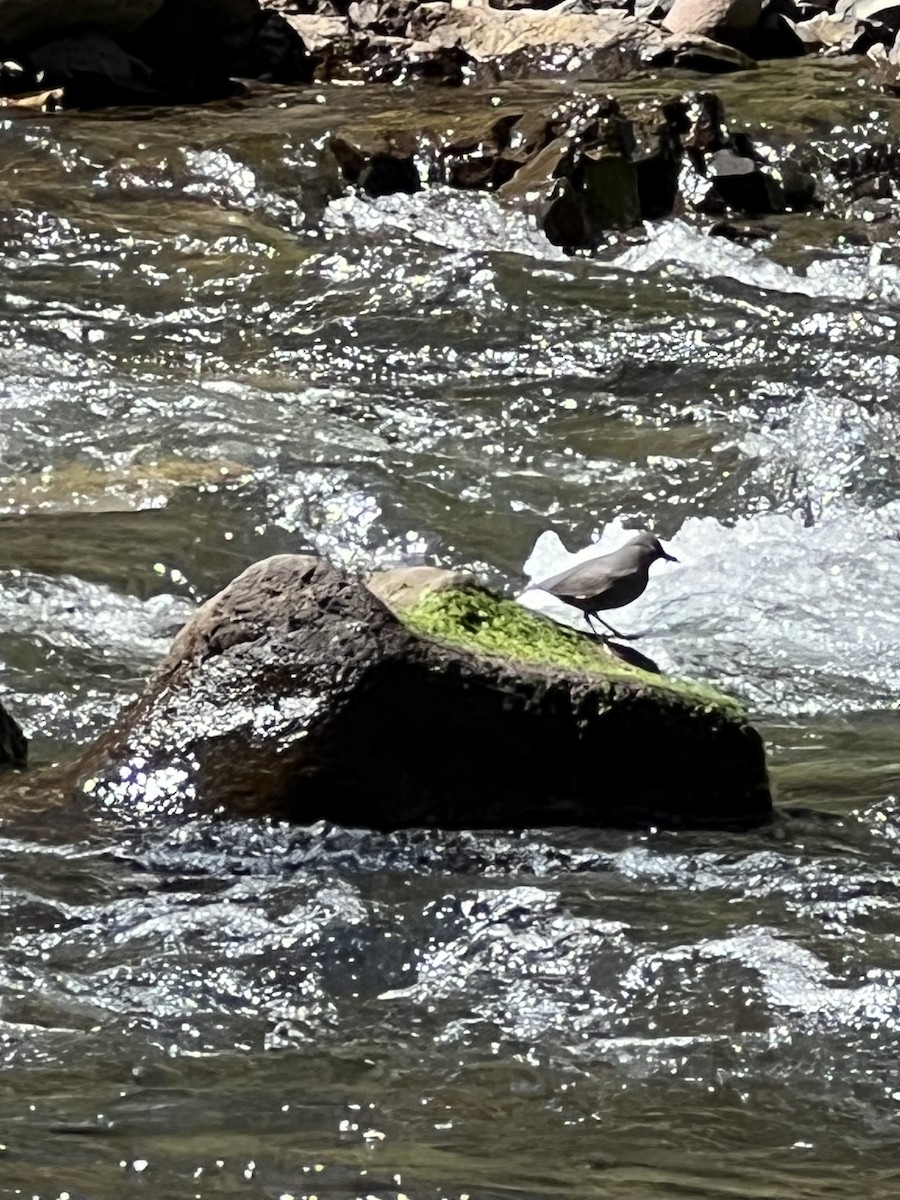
613	635
599	637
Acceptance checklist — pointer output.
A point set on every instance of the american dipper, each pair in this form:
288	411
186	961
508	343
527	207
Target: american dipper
610	581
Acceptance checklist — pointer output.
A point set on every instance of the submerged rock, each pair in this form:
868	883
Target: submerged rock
301	693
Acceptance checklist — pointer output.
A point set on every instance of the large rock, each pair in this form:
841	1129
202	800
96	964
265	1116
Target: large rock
93	70
453	41
203	38
34	21
102	52
723	20
486	33
297	693
384	168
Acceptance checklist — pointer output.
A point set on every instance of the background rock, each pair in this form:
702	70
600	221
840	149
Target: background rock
93	69
695	52
728	20
32	21
160	52
488	33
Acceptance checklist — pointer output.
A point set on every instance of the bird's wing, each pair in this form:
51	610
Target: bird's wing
585	579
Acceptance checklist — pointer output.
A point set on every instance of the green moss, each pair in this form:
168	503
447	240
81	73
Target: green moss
482	623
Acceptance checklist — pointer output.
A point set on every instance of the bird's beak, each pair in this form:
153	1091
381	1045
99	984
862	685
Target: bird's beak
669	557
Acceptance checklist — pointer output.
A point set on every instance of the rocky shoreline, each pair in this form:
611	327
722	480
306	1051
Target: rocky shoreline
91	53
580	168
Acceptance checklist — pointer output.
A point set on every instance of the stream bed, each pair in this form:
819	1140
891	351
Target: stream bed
212	352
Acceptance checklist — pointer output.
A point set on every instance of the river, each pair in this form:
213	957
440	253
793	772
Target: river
210	355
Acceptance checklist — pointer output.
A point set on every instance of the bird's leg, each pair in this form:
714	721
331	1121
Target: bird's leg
587	617
625	637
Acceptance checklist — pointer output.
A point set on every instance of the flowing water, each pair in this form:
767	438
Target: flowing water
210	355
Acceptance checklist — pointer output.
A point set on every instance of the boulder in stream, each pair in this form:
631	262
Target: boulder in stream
419	699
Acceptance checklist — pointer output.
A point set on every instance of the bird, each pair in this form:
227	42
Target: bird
610	581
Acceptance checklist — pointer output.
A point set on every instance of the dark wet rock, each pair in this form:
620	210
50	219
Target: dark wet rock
587	179
602	168
591	165
94	70
863	183
536	180
199	42
799	185
596	193
874	161
774	36
103	53
721	172
741	233
34	21
727	173
387	167
299	693
742	185
13	743
489	156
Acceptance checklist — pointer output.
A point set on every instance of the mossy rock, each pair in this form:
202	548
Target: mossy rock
665	719
418	700
483	623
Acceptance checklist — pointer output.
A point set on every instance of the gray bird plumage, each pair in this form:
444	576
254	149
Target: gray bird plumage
610	581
